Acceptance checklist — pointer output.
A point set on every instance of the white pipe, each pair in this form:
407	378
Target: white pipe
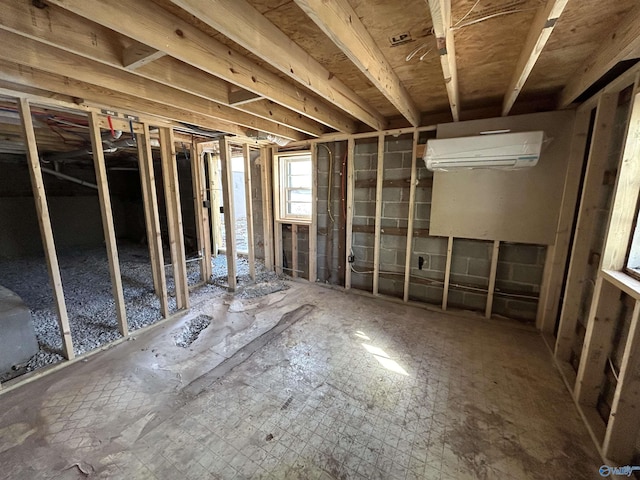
69	178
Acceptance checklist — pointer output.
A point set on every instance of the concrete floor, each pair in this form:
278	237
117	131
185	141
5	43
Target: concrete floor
307	383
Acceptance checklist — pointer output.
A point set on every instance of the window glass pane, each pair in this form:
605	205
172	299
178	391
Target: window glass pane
296	184
297	181
299	209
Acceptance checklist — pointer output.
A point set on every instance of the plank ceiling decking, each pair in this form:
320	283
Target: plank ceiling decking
304	68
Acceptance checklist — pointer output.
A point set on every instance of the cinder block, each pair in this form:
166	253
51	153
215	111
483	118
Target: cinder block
395	210
387	256
364	239
396	173
436	245
365	174
18	340
459	264
393	160
367	145
519	253
392	194
531	274
472	248
388	223
400	144
479	267
423	211
364	209
438	262
395	242
362	194
389	286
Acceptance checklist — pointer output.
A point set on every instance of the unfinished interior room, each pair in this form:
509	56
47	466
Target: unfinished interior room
319	239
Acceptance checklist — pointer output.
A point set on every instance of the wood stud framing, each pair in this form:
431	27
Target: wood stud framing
411	215
152	218
267	205
200	211
248	193
351	146
174	216
313	227
107	222
495	253
447	274
44	223
378	221
229	212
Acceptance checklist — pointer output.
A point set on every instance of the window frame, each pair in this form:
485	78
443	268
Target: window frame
283	190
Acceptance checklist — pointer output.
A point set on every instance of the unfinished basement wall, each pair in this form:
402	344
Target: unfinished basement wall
74	210
255	161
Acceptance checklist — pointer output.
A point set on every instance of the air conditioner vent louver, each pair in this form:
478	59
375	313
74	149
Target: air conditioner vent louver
506	151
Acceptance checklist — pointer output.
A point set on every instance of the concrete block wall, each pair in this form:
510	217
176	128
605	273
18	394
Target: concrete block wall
520	270
331	221
303	250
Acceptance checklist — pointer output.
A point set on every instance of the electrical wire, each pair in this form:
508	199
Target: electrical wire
489	17
330	186
467	14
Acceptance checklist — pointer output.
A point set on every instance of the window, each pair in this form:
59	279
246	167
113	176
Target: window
633	257
295	187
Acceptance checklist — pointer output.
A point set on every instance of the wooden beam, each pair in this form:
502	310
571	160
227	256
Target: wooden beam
240	97
44	223
492	278
412	208
351	146
156	27
200	212
174	216
277	226
107	222
589	203
339	21
150	199
616	46
597	342
539	33
447	274
441	18
246	26
267	205
313	226
626	192
624	422
378	215
229	212
551	287
71	33
24	79
137	55
248	194
31	53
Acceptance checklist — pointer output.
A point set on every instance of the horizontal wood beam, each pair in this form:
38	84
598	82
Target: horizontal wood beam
539	33
441	18
242	23
147	23
339	21
240	97
31	53
74	34
137	55
39	83
615	47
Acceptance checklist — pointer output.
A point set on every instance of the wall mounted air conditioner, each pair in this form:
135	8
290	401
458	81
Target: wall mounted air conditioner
502	151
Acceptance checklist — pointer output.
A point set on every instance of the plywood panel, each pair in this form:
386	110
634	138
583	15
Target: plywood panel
513	206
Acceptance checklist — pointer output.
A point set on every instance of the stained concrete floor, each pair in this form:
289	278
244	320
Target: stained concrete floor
308	383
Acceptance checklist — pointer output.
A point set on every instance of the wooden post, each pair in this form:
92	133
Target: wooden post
229	212
248	193
551	288
107	222
147	213
154	235
174	216
378	219
597	342
267	206
205	214
351	146
200	212
578	264
492	278
412	206
447	274
44	222
294	251
313	227
214	199
147	175
624	421
277	226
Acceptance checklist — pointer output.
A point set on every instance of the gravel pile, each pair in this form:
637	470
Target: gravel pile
191	330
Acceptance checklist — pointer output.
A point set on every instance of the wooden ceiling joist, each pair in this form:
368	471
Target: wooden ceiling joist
540	31
339	21
137	55
30	53
441	18
243	24
17	78
71	33
621	42
147	23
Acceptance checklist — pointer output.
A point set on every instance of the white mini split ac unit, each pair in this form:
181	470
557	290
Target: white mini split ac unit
502	151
